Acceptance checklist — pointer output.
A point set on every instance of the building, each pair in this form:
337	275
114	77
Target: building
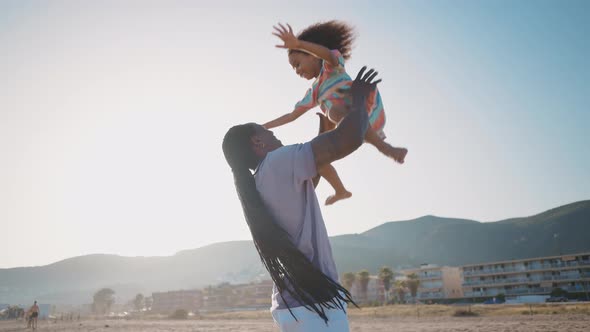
218	298
226	296
535	276
253	295
436	282
375	291
168	302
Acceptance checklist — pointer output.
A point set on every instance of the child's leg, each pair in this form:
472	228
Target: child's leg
329	173
336	114
397	154
325	124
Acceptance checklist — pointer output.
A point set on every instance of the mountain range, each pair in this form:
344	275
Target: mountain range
398	244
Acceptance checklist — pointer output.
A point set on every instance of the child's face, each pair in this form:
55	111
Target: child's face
305	65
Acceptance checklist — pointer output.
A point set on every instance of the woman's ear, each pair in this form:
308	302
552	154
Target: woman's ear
257	145
255	140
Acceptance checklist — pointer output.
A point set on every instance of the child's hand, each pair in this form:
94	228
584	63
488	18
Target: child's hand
287	36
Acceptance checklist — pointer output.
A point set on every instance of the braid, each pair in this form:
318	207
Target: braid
289	269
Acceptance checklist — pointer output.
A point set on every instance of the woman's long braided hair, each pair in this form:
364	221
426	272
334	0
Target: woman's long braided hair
334	35
289	269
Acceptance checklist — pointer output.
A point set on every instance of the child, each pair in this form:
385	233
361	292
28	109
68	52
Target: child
319	52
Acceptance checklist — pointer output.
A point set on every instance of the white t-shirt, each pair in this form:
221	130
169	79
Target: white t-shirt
284	180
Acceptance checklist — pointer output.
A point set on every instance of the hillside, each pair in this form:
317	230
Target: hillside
428	239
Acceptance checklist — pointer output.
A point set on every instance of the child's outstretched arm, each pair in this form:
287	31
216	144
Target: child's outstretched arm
291	42
286	118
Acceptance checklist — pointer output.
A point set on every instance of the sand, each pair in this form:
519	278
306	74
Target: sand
511	323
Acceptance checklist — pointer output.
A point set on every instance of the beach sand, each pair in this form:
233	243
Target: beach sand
512	323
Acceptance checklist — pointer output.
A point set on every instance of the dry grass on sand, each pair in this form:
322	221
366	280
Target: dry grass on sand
489	318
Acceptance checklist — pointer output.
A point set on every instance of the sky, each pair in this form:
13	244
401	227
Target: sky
112	115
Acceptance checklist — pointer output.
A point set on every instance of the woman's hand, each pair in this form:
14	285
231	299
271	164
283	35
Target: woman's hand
363	84
287	36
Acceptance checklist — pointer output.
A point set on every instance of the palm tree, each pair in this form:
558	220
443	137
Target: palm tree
386	275
348	280
363	278
413	282
400	288
139	302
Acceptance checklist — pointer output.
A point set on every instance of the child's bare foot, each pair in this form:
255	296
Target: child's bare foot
399	154
338	196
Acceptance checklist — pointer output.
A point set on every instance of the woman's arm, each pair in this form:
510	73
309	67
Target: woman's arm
350	134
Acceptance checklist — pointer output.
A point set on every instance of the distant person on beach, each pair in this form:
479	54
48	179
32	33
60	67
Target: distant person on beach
319	53
284	216
33	314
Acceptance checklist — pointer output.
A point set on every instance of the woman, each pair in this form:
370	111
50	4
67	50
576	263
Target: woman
284	217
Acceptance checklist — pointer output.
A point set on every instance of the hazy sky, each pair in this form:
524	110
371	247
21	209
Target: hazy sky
112	115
